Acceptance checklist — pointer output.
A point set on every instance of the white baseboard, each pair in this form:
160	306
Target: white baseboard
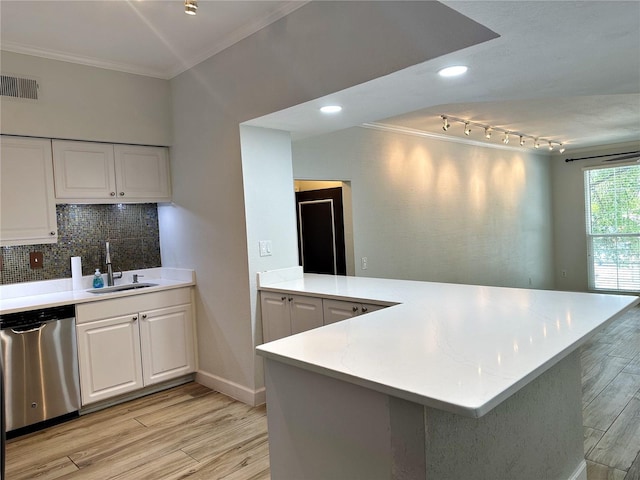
232	389
580	472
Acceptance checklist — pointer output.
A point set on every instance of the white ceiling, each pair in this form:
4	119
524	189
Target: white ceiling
154	38
565	71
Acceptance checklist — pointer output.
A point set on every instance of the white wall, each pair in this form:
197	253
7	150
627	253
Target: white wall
87	103
569	214
427	209
267	174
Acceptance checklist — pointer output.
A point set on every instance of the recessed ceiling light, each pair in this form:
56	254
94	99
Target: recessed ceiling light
331	109
453	71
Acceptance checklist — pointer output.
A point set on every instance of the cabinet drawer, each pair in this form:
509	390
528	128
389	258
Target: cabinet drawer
88	312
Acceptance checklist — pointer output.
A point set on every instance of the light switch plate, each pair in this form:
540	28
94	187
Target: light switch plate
265	248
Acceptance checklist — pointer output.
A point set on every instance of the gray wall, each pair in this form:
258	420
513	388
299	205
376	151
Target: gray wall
427	209
87	103
320	48
569	214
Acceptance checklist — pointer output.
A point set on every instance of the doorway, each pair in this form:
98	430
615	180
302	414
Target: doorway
320	217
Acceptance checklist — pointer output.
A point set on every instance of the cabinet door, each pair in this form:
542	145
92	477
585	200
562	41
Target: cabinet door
167	343
276	319
109	358
142	173
306	313
84	170
338	310
27	202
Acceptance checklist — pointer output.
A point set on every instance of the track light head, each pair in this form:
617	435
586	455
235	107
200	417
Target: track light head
521	141
467	129
190	7
505	139
536	143
550	146
562	149
445	123
487	132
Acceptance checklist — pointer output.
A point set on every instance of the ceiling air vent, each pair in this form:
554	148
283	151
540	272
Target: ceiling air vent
17	87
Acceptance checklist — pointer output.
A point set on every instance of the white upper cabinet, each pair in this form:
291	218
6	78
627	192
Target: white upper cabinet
88	172
27	202
84	170
142	173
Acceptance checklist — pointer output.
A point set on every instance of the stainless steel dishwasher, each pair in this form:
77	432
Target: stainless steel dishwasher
40	363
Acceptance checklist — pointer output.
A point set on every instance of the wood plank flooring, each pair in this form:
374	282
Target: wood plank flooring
611	400
191	432
188	432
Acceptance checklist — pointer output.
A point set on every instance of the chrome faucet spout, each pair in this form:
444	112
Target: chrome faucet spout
110	274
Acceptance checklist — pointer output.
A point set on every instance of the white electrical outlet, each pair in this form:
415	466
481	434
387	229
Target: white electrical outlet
363	262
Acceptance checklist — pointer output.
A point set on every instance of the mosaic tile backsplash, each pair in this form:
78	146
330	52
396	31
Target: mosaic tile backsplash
131	230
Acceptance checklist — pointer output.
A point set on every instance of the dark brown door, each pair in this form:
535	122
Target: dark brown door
321	231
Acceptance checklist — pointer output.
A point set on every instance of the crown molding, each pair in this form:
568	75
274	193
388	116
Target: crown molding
78	59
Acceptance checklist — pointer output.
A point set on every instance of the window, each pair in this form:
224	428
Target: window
613	227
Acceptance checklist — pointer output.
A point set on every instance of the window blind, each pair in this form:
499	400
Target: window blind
613	227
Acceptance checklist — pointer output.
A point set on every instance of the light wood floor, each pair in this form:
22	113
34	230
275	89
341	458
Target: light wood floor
191	432
188	432
611	400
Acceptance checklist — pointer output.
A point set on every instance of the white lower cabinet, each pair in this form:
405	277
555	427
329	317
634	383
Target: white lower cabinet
109	354
167	343
338	310
286	314
128	343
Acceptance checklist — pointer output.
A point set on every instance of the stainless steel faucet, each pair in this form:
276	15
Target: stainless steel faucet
110	274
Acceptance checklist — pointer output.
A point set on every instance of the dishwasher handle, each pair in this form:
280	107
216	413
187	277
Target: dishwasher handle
28	329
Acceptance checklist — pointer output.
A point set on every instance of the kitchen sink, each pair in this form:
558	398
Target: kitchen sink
121	288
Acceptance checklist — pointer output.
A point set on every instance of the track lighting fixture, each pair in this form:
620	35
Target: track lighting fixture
488	131
190	7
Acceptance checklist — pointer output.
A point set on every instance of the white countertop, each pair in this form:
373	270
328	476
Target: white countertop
20	297
460	348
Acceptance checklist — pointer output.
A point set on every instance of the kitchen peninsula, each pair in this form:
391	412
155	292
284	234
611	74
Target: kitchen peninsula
455	381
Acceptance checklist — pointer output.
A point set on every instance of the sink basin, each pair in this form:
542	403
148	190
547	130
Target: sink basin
121	288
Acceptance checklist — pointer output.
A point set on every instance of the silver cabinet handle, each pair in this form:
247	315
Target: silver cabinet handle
365	309
52	233
122	194
144	315
291	299
283	298
354	309
113	194
31	330
133	319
